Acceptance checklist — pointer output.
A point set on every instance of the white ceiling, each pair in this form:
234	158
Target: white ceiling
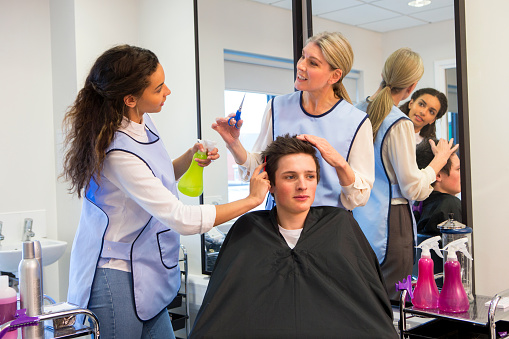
376	15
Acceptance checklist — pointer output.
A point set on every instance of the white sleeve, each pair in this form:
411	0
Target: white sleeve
134	178
362	162
414	184
254	159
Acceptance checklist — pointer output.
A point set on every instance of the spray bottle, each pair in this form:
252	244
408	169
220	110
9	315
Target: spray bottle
191	183
453	297
426	291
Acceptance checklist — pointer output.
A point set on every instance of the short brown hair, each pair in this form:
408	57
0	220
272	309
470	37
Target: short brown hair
286	145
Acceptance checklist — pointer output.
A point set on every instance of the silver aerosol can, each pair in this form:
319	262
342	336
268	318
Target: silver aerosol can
30	291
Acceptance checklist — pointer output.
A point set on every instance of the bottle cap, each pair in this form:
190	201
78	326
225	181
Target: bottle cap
431	243
28	250
4	281
457	245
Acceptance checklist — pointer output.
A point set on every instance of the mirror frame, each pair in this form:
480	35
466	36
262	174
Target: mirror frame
303	29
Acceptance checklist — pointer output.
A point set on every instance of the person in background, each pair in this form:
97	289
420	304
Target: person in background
442	201
425	107
321	112
387	218
296	271
124	259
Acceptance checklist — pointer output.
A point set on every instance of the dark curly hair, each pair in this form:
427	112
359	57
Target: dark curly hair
91	122
286	145
428	131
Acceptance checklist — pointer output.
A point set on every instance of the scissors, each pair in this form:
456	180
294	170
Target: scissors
237	114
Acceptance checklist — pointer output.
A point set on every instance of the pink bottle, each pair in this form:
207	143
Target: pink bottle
453	297
426	291
8	305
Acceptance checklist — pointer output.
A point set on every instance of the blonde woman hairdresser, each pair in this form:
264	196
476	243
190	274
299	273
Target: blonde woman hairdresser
320	112
386	219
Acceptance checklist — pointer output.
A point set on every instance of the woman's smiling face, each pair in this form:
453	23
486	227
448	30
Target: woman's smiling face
423	111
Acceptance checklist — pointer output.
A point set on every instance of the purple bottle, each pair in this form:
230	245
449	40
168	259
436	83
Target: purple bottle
453	297
426	292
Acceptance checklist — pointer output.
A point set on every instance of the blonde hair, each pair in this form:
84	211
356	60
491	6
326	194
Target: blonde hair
402	69
339	55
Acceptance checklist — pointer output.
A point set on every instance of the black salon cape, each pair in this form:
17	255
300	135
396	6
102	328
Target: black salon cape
329	286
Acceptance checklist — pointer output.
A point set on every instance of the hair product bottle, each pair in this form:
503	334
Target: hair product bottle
191	183
8	305
426	291
30	289
453	297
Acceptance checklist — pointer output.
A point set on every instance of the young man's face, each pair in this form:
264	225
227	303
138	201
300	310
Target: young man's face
450	183
295	183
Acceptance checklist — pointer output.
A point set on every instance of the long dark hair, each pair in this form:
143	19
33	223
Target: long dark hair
428	131
91	122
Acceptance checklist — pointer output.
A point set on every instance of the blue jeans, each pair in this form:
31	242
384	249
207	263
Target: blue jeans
112	302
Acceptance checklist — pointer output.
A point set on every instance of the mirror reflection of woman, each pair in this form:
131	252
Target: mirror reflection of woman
320	111
386	219
425	107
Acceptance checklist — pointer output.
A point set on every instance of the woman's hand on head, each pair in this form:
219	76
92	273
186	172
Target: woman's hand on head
444	148
230	134
328	152
259	184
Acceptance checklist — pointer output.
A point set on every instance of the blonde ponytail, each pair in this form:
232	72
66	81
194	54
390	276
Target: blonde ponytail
402	69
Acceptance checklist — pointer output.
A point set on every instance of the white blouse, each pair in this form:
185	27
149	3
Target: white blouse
398	154
361	160
139	195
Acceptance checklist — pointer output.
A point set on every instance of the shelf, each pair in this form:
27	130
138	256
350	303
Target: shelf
476	314
478	322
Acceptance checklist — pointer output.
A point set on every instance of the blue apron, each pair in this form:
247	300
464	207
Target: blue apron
339	126
373	218
153	252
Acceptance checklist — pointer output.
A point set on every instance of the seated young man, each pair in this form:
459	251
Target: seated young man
443	200
296	271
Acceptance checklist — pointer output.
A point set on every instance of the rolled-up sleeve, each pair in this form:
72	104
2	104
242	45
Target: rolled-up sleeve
401	164
362	162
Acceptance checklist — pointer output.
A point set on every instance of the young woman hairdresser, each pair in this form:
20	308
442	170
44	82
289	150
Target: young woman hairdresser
320	107
425	107
124	261
386	219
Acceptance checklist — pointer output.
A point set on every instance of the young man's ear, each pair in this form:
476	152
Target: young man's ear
439	176
130	101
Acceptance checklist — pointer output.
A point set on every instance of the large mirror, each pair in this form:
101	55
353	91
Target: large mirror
374	28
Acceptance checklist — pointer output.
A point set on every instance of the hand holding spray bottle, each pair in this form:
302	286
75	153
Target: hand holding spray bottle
426	294
191	183
453	297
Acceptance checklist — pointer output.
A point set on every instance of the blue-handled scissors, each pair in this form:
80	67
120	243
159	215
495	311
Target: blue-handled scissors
237	114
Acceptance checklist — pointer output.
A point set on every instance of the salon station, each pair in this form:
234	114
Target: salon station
217	55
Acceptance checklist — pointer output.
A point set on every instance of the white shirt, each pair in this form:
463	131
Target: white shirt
398	154
418	138
291	236
141	195
361	160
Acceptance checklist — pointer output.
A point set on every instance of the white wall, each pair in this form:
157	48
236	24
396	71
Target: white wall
46	50
487	91
27	165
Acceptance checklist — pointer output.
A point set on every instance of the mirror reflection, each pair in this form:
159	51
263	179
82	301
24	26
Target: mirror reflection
375	29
